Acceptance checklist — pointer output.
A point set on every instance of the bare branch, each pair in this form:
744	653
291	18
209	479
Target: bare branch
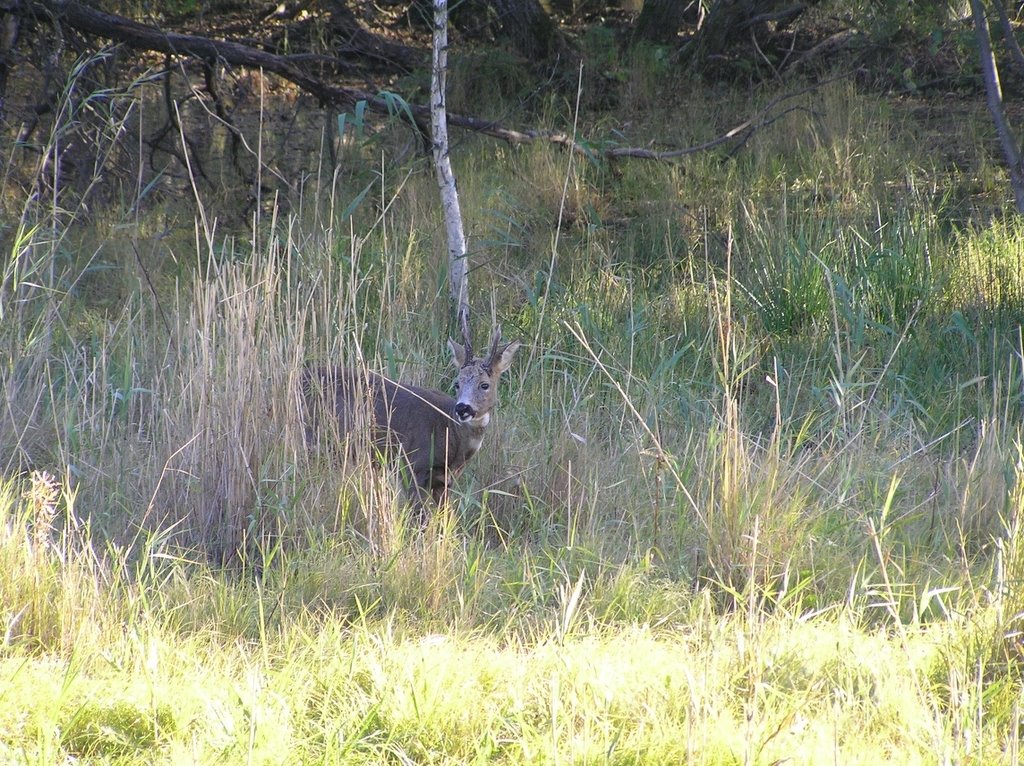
740	133
784	15
140	36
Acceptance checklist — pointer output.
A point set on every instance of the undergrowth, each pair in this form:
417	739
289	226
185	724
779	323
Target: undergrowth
754	493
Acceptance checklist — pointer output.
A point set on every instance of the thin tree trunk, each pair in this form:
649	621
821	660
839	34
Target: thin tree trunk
994	96
1011	42
458	274
10	25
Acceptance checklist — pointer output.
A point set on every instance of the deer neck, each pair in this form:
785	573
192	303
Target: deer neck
471	434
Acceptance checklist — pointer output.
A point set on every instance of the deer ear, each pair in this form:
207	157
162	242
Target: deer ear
503	359
458	354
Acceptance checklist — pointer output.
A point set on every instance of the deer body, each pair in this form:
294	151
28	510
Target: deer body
434	433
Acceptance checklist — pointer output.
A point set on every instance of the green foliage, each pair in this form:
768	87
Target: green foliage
398	110
601	49
485	81
887	19
117	729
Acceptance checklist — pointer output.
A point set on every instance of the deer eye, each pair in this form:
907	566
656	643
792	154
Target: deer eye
484	386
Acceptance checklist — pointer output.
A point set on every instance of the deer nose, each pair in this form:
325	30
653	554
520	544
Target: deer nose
464	412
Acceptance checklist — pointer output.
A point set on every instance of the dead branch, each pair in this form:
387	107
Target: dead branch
783	15
832	42
119	29
740	134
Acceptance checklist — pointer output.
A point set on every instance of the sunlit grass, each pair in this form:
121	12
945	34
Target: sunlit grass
697	686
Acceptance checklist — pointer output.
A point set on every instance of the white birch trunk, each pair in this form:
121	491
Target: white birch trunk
458	274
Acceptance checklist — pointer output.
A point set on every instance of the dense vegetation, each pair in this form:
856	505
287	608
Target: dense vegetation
755	491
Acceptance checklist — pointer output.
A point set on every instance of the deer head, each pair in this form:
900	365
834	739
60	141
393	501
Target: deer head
476	384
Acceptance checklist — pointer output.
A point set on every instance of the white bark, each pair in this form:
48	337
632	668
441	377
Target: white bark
458	273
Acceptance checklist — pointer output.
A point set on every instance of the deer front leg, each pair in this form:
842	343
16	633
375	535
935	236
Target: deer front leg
419	493
428	486
439	492
431	482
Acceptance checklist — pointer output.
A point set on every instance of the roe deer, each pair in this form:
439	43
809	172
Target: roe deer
434	433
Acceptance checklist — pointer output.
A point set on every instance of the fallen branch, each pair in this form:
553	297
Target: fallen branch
740	134
148	38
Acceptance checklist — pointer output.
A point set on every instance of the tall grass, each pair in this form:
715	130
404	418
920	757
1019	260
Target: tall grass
754	490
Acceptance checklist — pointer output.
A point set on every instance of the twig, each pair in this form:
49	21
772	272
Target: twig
156	295
783	15
740	132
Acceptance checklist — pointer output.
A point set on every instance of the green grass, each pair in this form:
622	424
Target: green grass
200	667
754	492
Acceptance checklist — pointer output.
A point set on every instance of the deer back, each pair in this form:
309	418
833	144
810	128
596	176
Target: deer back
418	421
